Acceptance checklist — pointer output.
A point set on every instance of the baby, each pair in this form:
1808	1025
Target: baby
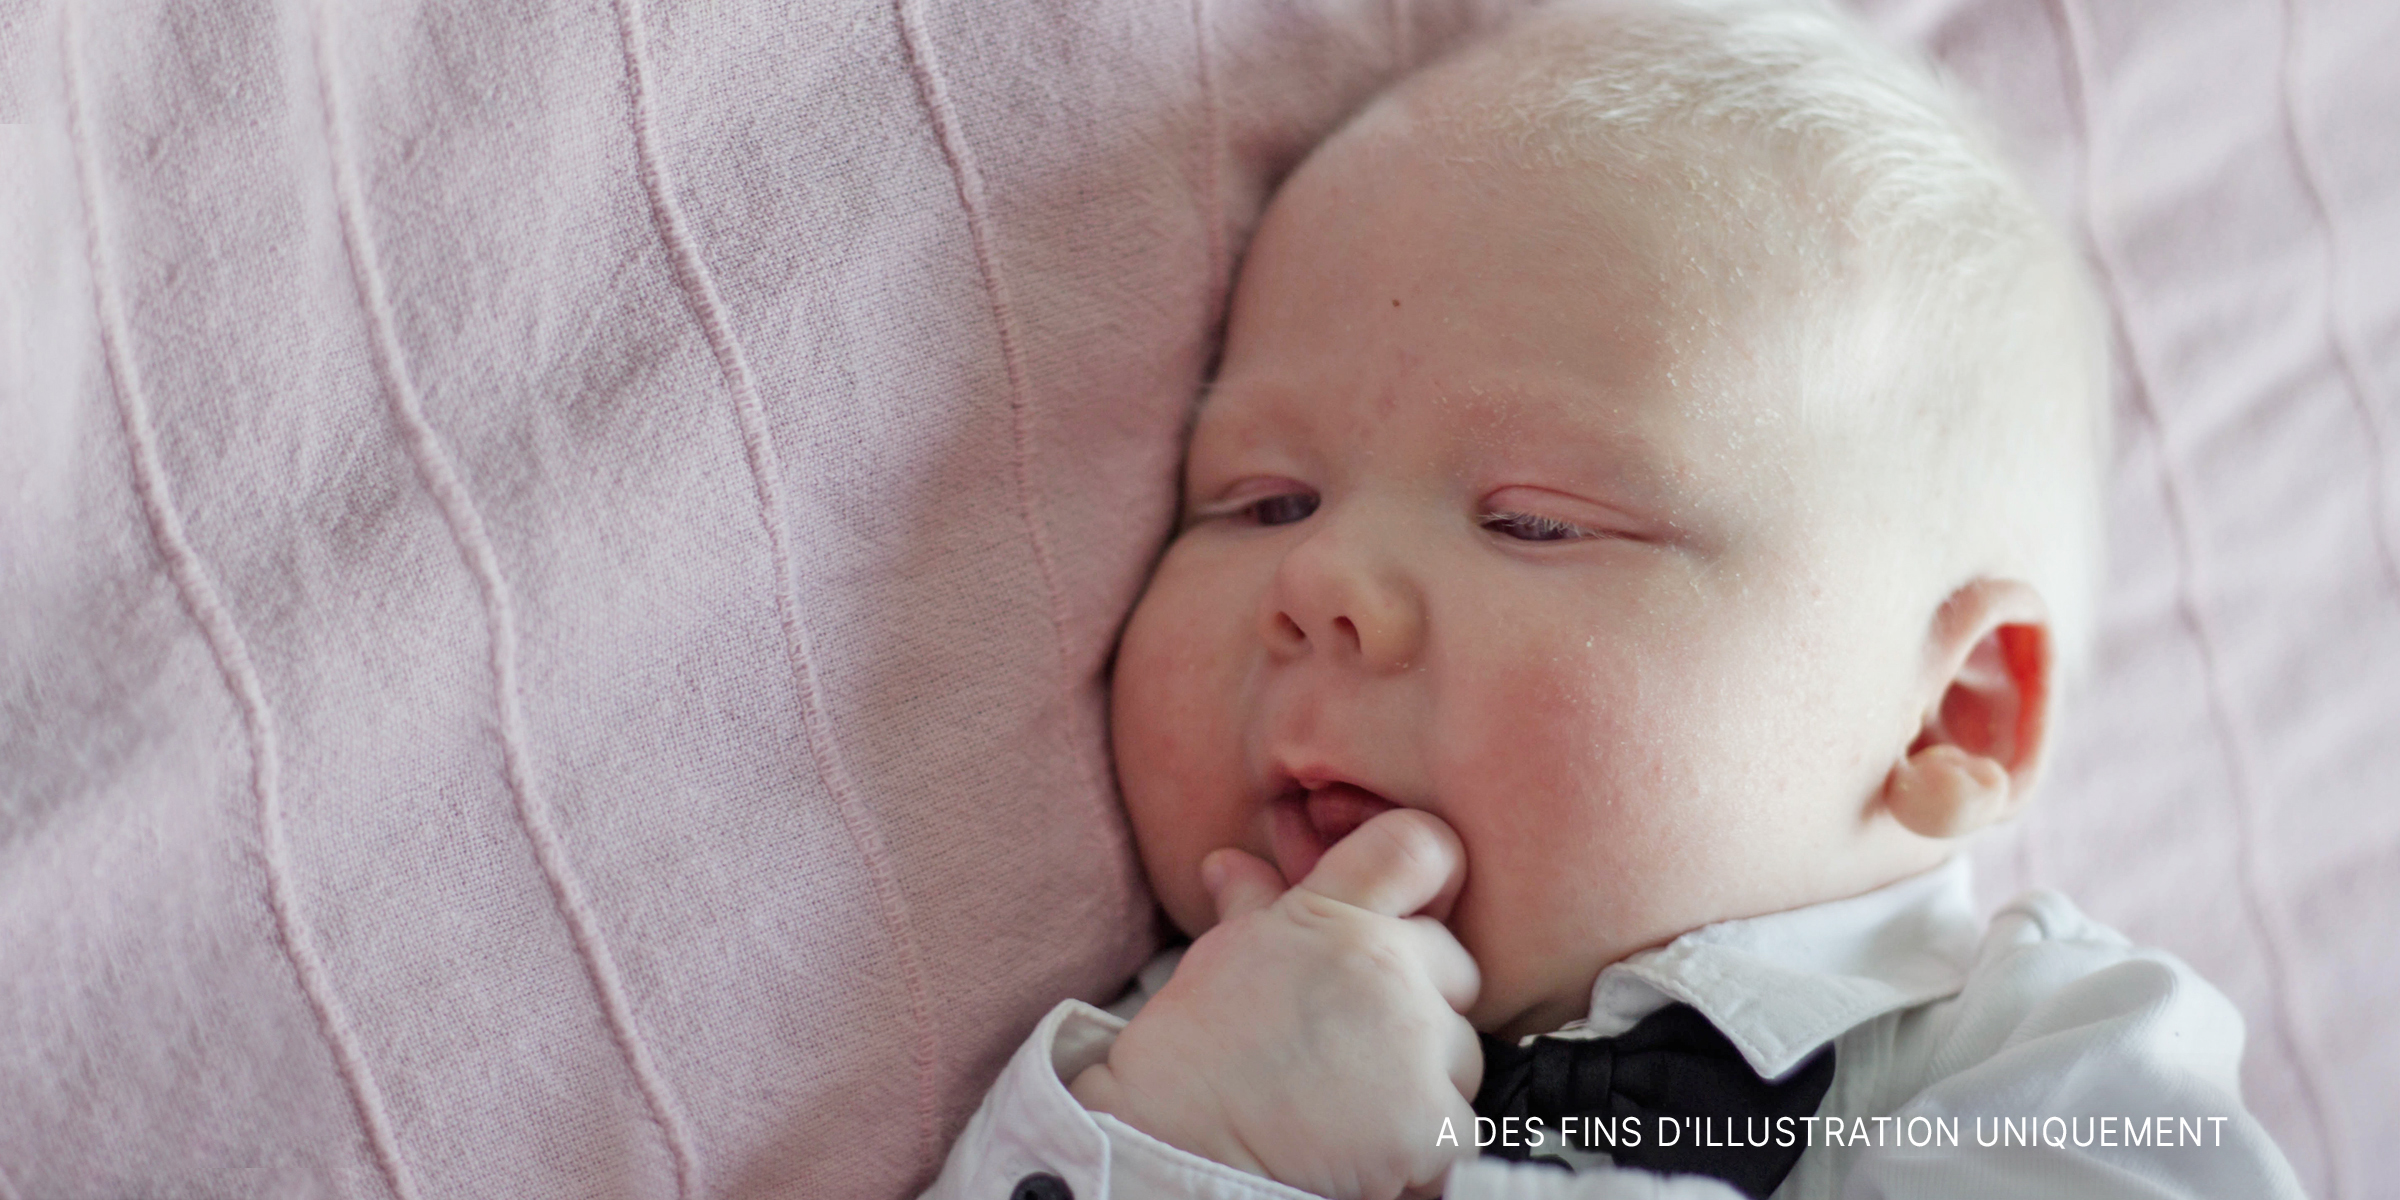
1636	536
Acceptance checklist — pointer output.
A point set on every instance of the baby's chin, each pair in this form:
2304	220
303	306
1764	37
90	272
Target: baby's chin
1525	1009
1529	986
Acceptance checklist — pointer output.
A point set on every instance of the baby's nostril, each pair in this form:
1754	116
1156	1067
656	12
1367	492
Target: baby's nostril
1290	627
1349	629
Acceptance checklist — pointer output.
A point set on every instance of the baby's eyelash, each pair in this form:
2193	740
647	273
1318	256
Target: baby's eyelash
1532	527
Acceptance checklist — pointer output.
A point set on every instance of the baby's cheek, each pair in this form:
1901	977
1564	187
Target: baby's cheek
1548	731
1178	762
1580	779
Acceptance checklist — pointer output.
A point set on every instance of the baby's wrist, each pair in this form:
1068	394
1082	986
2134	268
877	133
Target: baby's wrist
1098	1090
1094	1088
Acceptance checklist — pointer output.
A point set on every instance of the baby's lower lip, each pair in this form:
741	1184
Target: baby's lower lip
1307	823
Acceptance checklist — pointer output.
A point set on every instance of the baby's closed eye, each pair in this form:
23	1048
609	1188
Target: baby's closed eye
1259	500
1533	527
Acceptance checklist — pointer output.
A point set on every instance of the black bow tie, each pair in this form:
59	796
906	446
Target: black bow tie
1672	1066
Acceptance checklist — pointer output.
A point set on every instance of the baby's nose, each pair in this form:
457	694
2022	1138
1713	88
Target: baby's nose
1335	595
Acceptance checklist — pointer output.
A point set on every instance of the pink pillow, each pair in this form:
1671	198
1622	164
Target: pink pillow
556	567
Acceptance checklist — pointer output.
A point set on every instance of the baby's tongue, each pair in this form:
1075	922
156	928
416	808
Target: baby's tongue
1338	808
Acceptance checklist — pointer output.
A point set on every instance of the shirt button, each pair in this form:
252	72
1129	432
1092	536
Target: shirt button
1042	1185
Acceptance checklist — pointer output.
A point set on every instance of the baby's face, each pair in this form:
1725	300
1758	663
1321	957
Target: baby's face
1491	514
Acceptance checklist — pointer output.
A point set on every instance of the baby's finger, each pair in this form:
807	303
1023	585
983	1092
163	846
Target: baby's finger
1447	964
1239	882
1396	865
1464	1053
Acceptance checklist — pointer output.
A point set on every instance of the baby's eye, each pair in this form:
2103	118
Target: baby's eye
1529	527
1283	509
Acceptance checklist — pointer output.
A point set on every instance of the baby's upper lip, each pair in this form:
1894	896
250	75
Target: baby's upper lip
1296	779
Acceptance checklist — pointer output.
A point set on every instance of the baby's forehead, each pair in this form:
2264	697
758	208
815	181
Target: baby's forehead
1641	265
1724	225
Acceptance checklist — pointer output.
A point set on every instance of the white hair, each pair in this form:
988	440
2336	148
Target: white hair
1961	323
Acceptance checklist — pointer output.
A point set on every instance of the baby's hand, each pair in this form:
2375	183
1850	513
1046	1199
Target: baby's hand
1313	1036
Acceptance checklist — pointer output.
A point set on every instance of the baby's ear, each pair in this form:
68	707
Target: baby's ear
1990	674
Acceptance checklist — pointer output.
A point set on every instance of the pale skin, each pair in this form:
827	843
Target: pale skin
1520	621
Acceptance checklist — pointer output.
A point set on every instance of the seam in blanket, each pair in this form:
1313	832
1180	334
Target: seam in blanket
2340	332
708	308
214	618
2233	745
935	94
441	480
1212	161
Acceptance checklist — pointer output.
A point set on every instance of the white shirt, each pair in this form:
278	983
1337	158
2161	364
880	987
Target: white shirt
2044	1027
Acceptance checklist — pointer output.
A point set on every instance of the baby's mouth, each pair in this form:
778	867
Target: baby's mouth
1308	821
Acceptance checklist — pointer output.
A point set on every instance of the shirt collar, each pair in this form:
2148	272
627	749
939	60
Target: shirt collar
1781	985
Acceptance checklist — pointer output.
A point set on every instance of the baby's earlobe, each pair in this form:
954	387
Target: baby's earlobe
1942	791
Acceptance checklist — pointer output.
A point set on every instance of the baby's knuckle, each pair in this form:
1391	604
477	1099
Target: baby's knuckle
1316	911
1371	959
